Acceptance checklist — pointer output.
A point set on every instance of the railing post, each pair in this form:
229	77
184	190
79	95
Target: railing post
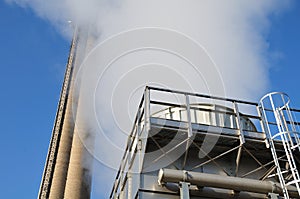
262	124
147	109
188	112
241	136
238	123
138	125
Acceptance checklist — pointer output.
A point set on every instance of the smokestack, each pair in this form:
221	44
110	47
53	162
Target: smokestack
63	156
56	167
78	183
66	173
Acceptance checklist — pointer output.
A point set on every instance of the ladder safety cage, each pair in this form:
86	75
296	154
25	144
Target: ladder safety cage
280	127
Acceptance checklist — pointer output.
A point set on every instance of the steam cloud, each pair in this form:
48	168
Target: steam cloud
232	32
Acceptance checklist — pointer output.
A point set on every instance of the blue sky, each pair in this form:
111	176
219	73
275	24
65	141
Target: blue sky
284	38
33	56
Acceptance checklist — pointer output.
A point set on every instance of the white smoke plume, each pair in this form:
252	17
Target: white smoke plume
234	33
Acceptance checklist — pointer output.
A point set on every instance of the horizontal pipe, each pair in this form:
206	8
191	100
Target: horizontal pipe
216	193
223	182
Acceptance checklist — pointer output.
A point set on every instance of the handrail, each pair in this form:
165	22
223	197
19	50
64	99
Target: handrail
202	95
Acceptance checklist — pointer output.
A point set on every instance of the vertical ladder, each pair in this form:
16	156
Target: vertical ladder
280	128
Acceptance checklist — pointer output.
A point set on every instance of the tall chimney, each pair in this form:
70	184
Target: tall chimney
66	171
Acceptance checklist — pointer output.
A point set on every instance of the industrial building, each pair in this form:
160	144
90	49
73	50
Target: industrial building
182	145
210	147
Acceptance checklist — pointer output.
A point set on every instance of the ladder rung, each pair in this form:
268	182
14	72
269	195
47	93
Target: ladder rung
273	175
295	146
293	169
284	160
278	134
283	172
292	182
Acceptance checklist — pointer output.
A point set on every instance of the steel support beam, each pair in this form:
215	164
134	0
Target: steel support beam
184	190
273	196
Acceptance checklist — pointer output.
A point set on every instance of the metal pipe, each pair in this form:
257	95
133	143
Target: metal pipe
224	182
216	193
